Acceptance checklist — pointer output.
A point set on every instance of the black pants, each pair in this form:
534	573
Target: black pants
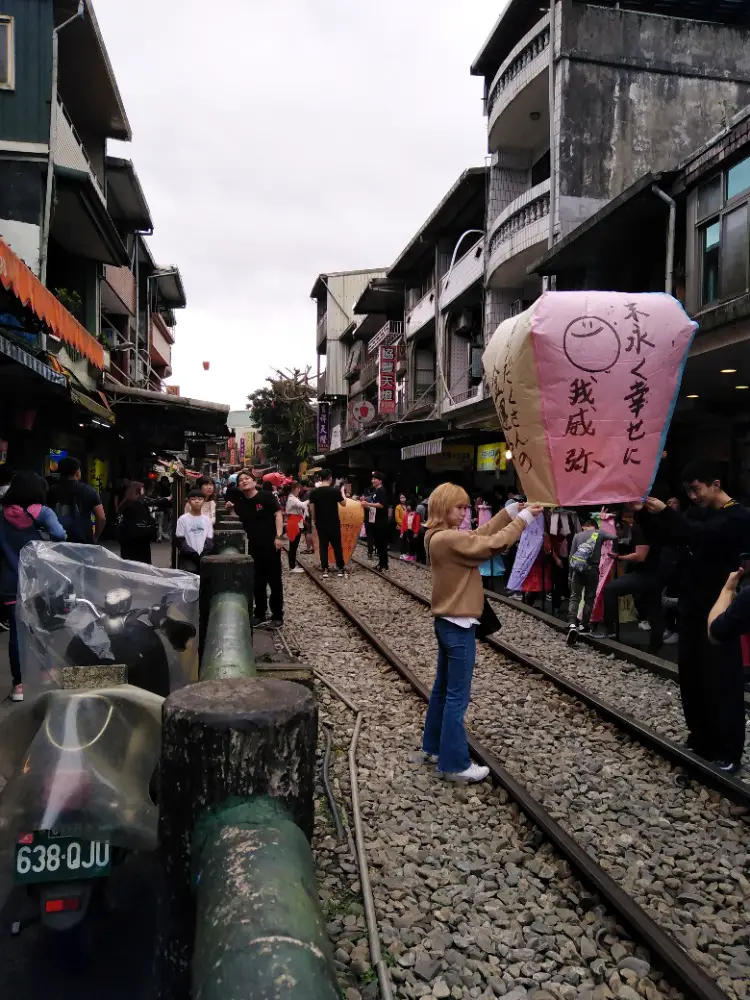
711	688
646	589
330	534
380	537
293	546
267	567
370	535
189	562
136	550
408	544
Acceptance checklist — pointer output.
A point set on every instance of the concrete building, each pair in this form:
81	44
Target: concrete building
584	98
625	246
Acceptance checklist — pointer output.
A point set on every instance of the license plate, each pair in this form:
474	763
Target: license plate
43	857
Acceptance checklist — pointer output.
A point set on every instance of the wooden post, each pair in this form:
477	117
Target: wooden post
259	922
222	739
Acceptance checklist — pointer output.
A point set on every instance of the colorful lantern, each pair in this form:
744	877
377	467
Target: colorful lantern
206	365
584	384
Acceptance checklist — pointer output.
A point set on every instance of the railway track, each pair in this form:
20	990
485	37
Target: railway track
640	701
615	811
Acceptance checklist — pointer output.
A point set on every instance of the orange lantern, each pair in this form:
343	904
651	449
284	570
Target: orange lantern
352	517
206	365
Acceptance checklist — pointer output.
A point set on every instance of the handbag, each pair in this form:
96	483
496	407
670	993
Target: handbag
489	623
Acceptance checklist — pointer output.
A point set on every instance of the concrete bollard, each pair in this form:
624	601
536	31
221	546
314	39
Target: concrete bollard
228	647
223	739
229	572
260	932
229	538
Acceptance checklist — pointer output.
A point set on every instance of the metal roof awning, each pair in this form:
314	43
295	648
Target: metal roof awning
21	357
625	213
125	199
164	398
381	296
28	289
422	449
100	411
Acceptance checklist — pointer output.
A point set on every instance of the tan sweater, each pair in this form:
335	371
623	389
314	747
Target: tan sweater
455	557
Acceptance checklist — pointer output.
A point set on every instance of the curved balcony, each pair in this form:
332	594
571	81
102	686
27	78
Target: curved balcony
517	236
520	91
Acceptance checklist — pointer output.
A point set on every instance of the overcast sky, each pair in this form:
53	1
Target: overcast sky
276	139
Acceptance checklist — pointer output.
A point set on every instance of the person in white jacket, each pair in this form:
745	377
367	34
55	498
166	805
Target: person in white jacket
296	512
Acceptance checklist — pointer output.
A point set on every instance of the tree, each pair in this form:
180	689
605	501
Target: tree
284	415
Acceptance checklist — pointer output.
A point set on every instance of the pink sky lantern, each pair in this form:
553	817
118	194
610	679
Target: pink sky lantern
585	384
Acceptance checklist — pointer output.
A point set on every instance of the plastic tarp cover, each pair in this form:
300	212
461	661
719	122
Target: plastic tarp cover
83	606
80	764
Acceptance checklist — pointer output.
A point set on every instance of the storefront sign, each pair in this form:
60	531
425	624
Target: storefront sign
97	474
491	457
324	426
387	383
335	437
452	458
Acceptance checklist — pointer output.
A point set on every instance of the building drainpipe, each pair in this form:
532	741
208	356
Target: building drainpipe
44	247
552	134
669	284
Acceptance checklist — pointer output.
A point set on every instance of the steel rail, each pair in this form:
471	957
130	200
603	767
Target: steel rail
688	973
734	789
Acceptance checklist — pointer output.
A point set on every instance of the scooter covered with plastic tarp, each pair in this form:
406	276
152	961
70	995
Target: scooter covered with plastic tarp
102	642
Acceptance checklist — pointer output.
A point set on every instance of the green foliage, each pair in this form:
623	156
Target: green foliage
283	413
71	300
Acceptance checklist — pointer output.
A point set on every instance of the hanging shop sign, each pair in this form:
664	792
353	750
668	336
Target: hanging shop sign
335	437
584	384
452	458
324	426
491	457
387	381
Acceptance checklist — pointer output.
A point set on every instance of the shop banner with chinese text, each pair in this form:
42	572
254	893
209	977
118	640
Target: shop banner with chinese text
387	381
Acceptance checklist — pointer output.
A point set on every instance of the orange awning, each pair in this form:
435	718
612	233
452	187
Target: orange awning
24	284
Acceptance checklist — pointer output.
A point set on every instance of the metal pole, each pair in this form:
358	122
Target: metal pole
46	222
552	135
669	283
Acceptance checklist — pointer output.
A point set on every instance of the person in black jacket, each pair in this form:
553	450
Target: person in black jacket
711	677
137	526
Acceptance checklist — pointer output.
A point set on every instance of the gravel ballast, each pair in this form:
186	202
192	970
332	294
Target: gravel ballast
679	851
471	900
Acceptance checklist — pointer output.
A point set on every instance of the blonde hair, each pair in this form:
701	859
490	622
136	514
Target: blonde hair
442	500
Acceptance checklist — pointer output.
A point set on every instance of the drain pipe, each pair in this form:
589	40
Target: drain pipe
44	248
553	159
669	284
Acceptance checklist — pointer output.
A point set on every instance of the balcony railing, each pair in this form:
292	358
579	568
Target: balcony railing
421	314
390	333
535	205
69	150
122	282
161	349
529	49
466	271
168	332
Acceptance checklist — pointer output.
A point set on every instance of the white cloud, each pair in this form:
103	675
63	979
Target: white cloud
278	140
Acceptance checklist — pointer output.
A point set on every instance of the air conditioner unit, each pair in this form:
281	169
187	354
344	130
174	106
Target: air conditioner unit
464	323
519	306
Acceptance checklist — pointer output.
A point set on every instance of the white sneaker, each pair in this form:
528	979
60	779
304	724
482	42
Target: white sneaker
644	626
297	569
17	693
474	772
429	758
325	574
671	638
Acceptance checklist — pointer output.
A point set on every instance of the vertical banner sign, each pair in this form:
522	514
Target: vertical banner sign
324	426
242	449
585	384
387	393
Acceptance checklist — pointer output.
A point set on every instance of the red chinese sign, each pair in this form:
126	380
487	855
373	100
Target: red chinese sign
387	385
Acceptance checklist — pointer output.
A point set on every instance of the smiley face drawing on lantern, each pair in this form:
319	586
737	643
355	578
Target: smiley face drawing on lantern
591	344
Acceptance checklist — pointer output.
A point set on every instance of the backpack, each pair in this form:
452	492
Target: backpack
580	561
70	516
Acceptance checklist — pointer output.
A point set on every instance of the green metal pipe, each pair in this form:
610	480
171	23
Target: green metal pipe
260	932
228	649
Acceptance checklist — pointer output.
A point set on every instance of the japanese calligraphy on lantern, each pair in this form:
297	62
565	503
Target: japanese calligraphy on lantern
387	383
584	384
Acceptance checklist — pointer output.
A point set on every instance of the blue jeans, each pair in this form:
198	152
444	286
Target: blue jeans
444	732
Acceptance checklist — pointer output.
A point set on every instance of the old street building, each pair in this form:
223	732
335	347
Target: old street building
87	317
582	101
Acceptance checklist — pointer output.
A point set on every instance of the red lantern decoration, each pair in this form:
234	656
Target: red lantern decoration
206	365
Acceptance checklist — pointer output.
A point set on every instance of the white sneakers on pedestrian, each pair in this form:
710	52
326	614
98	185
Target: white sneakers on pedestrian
297	569
671	638
644	626
572	637
473	773
17	693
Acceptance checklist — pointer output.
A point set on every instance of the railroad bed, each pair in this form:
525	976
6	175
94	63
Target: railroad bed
471	900
678	851
650	698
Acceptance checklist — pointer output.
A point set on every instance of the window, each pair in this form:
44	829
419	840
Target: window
7	69
723	208
542	169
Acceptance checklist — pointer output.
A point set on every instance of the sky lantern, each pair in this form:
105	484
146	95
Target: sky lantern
206	365
584	384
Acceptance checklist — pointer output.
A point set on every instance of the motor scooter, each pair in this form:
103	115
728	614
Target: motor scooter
81	761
